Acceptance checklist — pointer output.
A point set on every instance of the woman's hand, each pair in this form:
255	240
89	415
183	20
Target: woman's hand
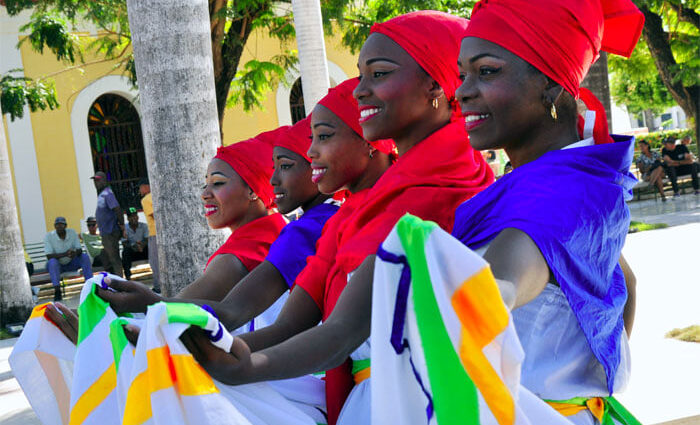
130	297
228	367
65	319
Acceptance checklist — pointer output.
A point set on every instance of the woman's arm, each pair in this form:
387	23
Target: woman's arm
518	266
631	304
319	348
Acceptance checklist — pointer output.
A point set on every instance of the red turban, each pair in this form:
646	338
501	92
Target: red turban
432	39
297	138
561	38
342	103
252	160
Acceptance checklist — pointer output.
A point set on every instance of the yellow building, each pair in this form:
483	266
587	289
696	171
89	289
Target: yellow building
53	154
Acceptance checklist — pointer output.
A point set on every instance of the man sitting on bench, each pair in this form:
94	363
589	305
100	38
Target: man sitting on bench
64	253
679	161
136	243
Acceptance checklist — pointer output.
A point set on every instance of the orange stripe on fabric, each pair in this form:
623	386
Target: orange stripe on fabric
596	405
93	396
57	382
483	315
164	371
362	375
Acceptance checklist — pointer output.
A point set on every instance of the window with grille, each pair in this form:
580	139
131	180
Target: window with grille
117	147
296	102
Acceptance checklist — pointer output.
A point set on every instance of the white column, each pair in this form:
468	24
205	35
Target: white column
26	170
312	51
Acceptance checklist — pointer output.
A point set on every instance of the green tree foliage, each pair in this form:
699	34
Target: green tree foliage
16	91
671	37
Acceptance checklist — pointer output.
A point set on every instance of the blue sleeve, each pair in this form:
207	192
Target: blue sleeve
296	242
111	200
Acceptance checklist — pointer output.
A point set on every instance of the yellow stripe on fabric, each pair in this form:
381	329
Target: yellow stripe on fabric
361	375
483	315
38	311
93	396
164	371
595	405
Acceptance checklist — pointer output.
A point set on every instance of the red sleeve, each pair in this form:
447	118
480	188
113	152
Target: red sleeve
313	278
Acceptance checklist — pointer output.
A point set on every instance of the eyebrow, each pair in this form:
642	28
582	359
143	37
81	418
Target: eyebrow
217	172
280	156
323	123
477	57
380	59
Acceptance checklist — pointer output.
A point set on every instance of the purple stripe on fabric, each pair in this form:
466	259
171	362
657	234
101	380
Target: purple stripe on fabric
397	340
251	327
214	337
401	297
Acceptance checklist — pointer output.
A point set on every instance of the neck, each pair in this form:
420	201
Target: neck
315	201
134	226
255	211
61	235
554	138
421	130
377	166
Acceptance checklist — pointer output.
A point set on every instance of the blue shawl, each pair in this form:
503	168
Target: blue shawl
571	203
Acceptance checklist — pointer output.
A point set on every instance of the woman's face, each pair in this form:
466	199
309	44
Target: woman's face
225	195
393	90
644	148
500	96
339	156
291	180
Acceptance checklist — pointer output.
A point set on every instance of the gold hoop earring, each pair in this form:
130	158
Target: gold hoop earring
371	154
254	197
435	103
553	112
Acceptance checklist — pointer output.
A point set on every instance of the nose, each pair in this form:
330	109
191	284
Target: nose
361	90
274	178
206	192
466	91
312	153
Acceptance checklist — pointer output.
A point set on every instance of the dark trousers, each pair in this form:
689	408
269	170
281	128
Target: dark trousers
130	255
673	173
110	242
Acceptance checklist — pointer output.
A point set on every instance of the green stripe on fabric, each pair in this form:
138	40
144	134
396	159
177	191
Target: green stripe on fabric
358	365
187	313
90	312
118	339
618	411
454	393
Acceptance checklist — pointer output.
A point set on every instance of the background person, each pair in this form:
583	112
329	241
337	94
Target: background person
147	204
64	253
136	243
679	161
93	245
110	220
652	169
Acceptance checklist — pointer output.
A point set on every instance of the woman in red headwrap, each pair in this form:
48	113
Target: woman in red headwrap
406	93
237	195
553	229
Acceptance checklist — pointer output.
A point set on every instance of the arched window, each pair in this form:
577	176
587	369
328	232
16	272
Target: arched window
296	102
117	146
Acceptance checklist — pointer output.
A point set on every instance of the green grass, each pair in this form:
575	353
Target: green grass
638	226
689	334
5	335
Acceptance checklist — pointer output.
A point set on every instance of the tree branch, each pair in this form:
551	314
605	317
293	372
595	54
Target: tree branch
686	14
71	68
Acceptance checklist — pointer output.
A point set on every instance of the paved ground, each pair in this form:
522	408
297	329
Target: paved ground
666	373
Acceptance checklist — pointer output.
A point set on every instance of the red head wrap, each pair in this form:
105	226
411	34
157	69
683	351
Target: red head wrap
296	138
432	39
341	102
252	160
561	38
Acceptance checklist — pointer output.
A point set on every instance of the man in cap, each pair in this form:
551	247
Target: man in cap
93	244
136	244
110	220
64	253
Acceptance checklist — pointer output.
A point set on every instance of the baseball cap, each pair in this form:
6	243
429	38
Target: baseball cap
100	175
143	181
60	220
131	211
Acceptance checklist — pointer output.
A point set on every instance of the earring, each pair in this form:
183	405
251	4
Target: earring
553	112
435	103
371	153
254	197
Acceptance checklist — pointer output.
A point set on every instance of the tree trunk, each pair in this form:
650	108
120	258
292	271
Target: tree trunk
173	55
649	120
312	51
15	294
597	82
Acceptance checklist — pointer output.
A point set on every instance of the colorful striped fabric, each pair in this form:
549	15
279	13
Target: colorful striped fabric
42	363
444	348
168	386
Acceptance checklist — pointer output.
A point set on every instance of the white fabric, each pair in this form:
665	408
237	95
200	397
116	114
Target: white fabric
356	409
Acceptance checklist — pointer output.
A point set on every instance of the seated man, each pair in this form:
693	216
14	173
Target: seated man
64	253
679	161
136	244
93	244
